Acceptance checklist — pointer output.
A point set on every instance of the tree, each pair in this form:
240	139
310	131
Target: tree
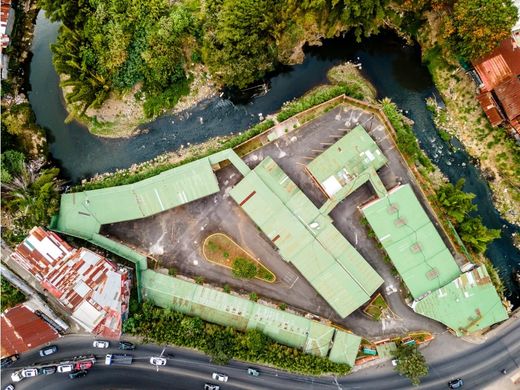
411	363
11	296
244	268
480	25
457	203
12	164
32	196
476	235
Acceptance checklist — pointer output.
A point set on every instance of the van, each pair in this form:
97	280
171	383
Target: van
108	359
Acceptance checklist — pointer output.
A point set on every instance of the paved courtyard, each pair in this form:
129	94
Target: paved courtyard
174	237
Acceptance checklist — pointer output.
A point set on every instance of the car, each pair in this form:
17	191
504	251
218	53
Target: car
83	365
220	377
47	370
101	344
9	387
126	345
394	362
253	371
48	350
17	376
209	386
30	372
158	361
456	383
66	367
78	374
7	361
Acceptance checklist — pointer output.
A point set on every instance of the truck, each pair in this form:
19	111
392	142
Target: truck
118	358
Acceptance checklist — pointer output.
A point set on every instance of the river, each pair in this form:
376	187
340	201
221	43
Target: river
394	69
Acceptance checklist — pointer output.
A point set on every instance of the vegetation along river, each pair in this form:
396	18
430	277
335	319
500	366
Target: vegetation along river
394	69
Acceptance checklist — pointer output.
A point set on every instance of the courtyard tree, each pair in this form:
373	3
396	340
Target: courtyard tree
411	363
244	268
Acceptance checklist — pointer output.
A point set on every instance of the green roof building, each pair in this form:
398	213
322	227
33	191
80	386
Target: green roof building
467	304
82	213
306	238
348	164
228	310
412	242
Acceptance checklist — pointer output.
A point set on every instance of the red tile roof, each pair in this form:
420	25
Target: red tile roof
88	285
23	330
508	93
488	105
499	65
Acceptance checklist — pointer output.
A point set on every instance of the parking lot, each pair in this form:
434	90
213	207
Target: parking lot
175	237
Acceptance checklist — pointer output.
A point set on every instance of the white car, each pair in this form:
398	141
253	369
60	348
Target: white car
17	376
29	372
158	361
68	367
9	387
394	362
101	344
220	377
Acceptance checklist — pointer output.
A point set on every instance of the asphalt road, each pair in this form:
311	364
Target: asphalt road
478	367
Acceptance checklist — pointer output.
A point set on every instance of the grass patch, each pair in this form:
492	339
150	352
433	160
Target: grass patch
222	250
376	307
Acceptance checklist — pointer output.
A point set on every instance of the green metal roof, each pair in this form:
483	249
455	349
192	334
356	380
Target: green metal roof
466	305
306	238
411	241
83	213
229	310
344	348
386	350
347	164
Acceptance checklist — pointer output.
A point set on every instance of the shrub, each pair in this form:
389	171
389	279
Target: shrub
253	297
11	296
244	268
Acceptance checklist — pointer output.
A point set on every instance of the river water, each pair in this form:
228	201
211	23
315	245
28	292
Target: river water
394	69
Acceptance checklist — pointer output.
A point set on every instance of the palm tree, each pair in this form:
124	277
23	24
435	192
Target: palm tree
32	196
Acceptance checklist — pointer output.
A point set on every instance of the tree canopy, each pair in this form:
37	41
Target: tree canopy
411	363
478	26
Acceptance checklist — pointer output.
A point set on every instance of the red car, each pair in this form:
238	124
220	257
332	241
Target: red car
83	365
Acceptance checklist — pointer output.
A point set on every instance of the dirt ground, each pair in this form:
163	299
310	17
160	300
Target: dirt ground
175	237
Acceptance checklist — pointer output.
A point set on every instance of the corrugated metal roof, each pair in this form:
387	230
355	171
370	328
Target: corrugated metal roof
499	65
508	93
412	242
82	213
490	108
306	238
345	348
84	282
23	330
229	310
468	304
345	163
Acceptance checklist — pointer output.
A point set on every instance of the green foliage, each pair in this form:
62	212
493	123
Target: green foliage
456	203
31	198
12	165
406	141
253	296
411	363
172	271
478	26
11	296
317	97
238	46
282	306
244	268
165	326
475	235
199	279
226	288
112	45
